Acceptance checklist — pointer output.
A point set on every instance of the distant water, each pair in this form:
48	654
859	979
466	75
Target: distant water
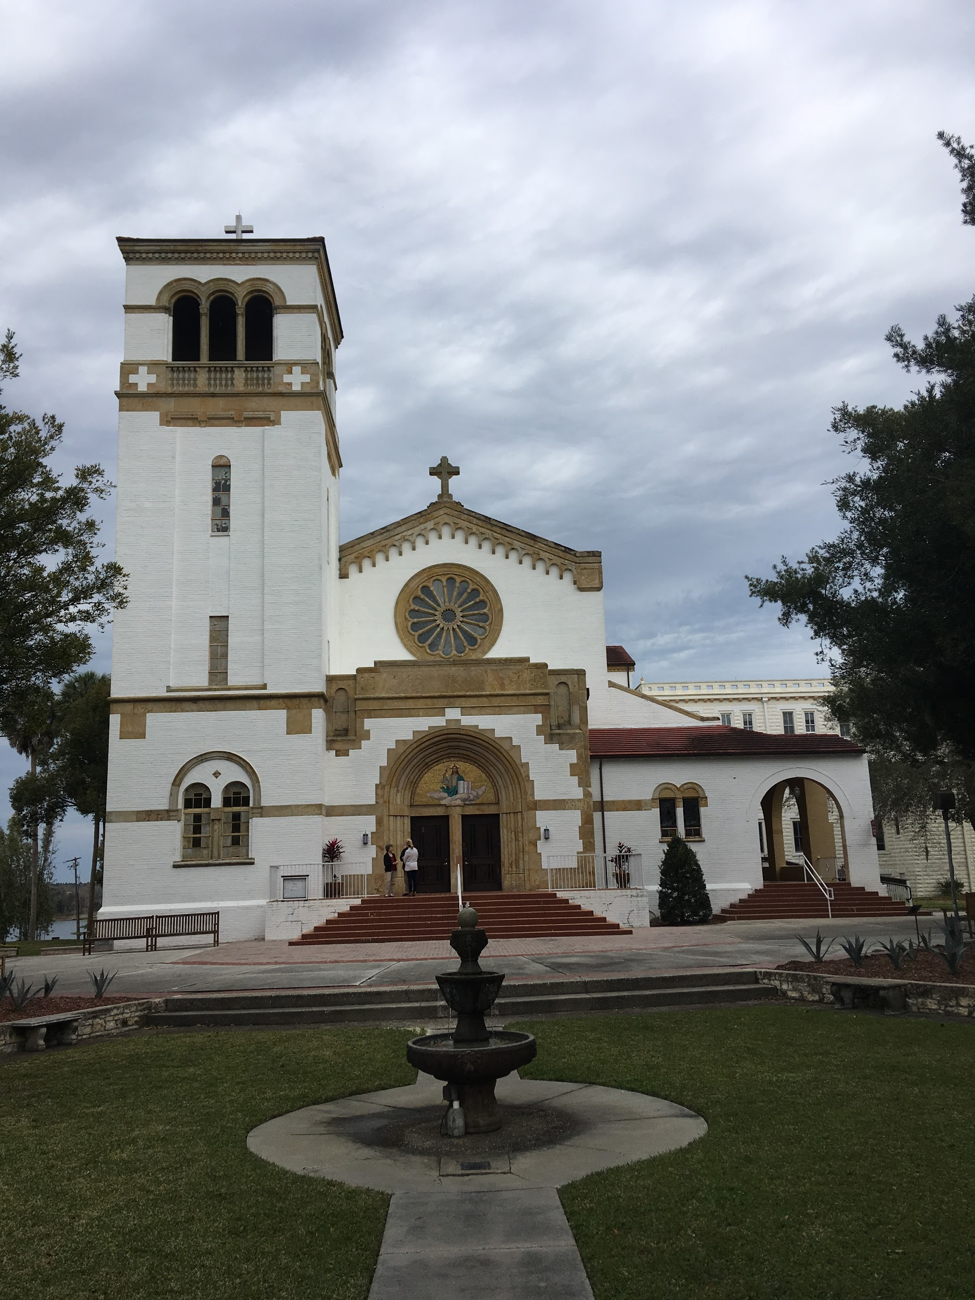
64	928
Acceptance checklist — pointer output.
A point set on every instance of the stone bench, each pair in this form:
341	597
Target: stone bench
36	1032
855	993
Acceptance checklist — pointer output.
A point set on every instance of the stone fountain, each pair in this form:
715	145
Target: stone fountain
472	1058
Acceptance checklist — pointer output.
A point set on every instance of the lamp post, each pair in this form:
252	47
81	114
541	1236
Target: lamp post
945	803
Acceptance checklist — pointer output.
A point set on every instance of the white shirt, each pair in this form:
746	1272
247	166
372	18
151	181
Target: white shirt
410	857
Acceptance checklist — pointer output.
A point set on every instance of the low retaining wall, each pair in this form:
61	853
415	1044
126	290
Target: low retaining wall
627	907
93	1022
929	999
290	918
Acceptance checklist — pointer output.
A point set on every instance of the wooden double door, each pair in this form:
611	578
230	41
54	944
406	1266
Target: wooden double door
481	840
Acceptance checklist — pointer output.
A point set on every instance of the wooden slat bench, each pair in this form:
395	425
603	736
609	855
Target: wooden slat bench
186	923
119	927
152	928
37	1031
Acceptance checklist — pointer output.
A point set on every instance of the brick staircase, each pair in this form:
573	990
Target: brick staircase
434	916
783	900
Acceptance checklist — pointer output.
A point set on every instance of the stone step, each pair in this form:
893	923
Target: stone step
417	1004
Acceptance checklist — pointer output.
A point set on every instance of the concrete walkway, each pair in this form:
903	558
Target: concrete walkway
483	1246
254	964
476	1218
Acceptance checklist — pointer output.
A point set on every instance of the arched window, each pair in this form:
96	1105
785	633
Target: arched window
259	328
223	328
196	822
186	328
563	705
235	837
220	507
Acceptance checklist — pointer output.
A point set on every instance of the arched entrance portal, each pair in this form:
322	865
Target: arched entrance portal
801	818
463	796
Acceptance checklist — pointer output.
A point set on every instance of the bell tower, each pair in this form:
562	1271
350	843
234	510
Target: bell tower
228	509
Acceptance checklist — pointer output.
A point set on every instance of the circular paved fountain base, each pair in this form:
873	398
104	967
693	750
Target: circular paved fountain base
553	1133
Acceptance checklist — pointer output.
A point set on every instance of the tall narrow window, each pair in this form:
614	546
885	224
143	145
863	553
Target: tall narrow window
259	328
797	836
726	719
668	818
235	837
788	722
219	646
810	715
186	328
845	731
196	822
748	721
220	507
223	328
692	818
761	838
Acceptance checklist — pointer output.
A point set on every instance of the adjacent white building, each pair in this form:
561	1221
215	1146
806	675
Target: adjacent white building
444	677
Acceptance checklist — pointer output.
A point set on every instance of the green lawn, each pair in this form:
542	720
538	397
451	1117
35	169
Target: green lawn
38	947
124	1173
839	1164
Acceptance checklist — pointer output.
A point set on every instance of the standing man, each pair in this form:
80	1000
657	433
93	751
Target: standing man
410	864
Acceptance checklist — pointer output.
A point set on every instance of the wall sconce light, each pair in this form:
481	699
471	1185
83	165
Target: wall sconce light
545	833
365	837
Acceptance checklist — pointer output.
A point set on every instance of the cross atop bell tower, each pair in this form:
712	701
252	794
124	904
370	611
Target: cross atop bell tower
444	471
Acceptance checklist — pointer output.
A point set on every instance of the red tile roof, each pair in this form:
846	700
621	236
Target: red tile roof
618	657
620	742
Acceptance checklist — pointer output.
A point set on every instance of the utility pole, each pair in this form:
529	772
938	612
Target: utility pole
73	864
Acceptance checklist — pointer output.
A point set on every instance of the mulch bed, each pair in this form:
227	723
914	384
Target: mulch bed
54	1006
926	968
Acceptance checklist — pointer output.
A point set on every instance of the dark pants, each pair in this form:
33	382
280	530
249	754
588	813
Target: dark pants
410	881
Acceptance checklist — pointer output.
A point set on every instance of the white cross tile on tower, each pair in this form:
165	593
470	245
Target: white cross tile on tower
296	378
142	379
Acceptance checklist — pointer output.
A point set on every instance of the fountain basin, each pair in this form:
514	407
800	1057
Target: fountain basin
474	1068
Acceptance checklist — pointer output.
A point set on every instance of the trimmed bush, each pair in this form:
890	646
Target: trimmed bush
683	896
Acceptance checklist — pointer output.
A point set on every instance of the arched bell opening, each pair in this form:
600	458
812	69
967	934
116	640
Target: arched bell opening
802	824
426	793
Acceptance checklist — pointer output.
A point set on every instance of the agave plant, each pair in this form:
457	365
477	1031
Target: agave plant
20	993
101	981
896	950
819	952
50	984
953	949
855	949
5	984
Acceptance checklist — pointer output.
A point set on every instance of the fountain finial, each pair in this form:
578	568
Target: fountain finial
468	942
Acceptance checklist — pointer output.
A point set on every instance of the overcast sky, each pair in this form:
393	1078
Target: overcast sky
617	260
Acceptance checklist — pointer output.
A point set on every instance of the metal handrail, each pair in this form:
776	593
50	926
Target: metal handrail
810	870
898	882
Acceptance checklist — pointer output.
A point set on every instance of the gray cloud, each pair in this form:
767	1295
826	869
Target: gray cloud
619	261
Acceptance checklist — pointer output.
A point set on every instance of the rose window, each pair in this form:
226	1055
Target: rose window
449	616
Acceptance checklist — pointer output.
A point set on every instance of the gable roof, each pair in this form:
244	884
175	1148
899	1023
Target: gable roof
448	518
618	657
649	742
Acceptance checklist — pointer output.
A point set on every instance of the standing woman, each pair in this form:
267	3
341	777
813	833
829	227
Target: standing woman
389	866
410	864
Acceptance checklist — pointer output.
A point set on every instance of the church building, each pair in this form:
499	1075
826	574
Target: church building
444	678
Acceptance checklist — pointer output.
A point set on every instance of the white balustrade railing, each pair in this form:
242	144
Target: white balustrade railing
594	870
301	880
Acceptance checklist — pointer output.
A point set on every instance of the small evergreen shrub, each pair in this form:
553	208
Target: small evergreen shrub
683	895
